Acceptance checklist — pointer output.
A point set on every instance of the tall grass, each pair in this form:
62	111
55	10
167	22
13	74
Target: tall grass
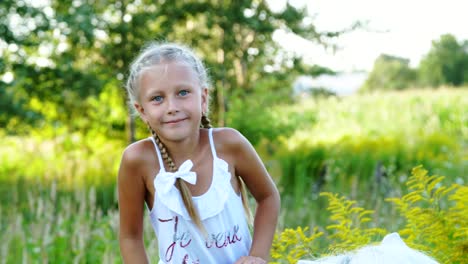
435	217
364	147
58	200
47	226
58	195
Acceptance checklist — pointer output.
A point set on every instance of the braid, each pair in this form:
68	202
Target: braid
205	122
245	200
165	155
180	184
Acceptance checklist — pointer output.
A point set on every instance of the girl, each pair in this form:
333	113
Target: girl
190	175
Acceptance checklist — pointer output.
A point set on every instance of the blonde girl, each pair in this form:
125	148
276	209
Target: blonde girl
190	175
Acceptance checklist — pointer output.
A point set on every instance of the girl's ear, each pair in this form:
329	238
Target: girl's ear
141	111
204	101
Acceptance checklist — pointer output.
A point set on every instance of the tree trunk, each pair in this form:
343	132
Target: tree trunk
221	85
221	104
130	127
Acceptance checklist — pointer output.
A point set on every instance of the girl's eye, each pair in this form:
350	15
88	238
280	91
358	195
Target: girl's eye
157	98
183	92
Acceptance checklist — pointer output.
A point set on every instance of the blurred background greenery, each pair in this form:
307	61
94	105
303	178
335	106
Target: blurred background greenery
64	120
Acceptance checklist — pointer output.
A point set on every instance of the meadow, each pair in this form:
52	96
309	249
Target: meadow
58	199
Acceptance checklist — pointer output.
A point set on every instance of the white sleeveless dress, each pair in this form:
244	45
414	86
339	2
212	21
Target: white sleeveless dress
220	209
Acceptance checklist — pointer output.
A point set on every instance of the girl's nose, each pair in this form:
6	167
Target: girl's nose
172	105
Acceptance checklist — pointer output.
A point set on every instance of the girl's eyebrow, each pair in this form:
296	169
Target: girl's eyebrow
184	84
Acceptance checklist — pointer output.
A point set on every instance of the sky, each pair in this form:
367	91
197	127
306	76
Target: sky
404	28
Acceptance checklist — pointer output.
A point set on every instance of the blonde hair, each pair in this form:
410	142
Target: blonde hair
156	53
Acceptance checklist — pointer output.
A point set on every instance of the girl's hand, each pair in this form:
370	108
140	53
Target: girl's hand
250	260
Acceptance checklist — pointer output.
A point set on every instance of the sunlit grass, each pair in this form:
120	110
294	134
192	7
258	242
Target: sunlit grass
364	147
58	199
40	224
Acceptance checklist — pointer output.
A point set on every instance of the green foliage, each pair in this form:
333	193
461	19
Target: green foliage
303	172
293	244
257	120
446	63
67	57
436	216
66	181
348	227
57	228
370	141
49	226
58	201
436	219
349	231
72	161
390	73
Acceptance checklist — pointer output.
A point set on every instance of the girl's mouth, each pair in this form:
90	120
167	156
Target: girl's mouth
175	121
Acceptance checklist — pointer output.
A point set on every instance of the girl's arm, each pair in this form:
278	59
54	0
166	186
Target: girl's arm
131	190
250	168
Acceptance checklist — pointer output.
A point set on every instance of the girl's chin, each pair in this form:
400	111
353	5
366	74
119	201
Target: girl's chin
175	134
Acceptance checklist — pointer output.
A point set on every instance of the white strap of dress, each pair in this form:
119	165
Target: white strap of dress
161	163
210	135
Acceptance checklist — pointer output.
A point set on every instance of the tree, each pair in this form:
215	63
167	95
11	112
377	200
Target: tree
53	79
445	64
390	73
235	38
93	44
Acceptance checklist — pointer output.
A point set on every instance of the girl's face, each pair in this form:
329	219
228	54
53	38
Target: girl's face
171	100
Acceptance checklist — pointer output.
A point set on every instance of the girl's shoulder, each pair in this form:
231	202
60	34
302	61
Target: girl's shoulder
228	139
227	136
140	153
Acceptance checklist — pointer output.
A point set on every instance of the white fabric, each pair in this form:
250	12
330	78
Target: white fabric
165	180
220	209
392	250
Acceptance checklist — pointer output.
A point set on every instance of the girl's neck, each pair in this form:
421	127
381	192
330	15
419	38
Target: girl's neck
186	149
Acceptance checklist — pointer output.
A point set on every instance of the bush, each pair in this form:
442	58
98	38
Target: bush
435	221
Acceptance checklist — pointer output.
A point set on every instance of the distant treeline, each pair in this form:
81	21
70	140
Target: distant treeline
445	64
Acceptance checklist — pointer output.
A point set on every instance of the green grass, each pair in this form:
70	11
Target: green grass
47	226
364	147
58	196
